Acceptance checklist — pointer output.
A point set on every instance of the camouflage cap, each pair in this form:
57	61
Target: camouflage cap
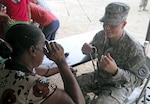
115	13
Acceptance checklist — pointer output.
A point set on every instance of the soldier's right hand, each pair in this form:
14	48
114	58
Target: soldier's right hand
87	49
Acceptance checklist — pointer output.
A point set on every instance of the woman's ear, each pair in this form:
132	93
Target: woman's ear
32	51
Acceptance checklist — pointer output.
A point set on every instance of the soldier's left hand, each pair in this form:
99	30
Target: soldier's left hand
108	64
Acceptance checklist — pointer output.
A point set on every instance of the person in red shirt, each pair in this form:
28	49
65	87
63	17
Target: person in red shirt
18	11
46	19
2	10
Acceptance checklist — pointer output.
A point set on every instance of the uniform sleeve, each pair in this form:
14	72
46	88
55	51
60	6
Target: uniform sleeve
137	72
98	42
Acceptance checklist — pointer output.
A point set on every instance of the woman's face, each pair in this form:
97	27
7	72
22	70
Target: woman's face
39	52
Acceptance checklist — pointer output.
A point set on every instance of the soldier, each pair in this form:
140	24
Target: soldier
121	64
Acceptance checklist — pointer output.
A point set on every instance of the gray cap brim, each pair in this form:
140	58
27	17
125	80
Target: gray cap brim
109	21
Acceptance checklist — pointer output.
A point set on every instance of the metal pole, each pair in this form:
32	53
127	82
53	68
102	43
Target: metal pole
144	88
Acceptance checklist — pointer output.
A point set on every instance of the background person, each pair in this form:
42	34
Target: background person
121	64
42	3
46	19
142	5
21	85
17	11
2	10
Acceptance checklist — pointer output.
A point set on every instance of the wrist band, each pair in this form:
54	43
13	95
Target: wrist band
46	74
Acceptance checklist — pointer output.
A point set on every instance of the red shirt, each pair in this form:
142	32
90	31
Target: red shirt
41	15
17	11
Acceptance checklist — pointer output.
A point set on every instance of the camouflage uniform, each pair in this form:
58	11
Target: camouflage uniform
132	69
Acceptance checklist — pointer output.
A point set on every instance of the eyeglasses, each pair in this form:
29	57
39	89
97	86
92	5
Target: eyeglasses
110	26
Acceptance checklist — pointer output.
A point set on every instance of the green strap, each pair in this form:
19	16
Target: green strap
2	60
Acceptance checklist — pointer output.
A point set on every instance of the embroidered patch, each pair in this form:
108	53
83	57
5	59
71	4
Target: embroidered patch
142	72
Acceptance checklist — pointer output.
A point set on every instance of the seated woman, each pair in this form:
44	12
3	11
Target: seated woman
18	82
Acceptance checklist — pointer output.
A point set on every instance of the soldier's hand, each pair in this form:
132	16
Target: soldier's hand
87	49
108	64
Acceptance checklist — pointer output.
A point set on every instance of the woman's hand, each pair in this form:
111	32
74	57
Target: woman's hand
74	71
54	52
8	19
